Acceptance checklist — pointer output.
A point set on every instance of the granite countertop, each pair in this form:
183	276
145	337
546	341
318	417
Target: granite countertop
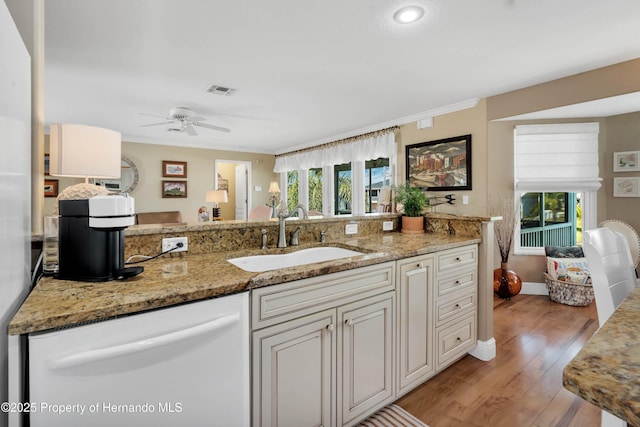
178	279
606	372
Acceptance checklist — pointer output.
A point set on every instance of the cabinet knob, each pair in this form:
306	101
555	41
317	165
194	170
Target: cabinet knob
459	339
419	265
330	327
348	322
457	306
457	282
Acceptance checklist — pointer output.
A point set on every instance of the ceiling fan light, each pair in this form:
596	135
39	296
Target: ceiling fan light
408	14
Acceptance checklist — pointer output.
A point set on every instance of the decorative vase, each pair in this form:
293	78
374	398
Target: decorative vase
412	224
506	282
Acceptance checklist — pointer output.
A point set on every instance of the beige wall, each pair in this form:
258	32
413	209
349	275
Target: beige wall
623	134
470	121
200	178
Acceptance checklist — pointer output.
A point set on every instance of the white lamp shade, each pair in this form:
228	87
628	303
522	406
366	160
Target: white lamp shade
84	151
217	196
274	187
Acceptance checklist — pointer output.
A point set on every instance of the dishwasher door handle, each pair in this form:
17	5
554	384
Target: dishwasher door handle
141	345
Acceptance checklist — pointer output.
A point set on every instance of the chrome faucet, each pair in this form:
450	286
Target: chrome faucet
284	214
294	237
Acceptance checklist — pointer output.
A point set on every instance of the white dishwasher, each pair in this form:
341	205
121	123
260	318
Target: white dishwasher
182	366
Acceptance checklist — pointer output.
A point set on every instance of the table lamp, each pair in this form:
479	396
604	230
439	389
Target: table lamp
274	189
84	152
216	196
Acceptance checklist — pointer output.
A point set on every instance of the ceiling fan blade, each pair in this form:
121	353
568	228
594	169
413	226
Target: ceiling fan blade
197	119
208	126
156	124
190	130
155	115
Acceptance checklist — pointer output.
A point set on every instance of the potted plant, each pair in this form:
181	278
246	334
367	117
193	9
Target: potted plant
413	202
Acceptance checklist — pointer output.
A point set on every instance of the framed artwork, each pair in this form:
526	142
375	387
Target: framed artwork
442	165
223	184
626	187
50	188
626	161
174	189
46	163
172	169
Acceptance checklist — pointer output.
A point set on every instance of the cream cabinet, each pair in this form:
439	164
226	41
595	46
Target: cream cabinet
323	348
415	324
456	303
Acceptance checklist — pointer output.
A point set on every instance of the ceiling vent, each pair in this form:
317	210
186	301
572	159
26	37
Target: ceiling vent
219	90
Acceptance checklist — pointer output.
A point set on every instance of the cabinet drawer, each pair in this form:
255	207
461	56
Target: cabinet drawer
455	306
453	259
455	340
466	278
279	303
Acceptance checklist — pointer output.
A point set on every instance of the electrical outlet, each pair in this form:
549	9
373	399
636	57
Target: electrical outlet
351	229
172	242
387	225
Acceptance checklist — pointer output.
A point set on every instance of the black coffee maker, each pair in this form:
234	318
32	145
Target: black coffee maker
91	238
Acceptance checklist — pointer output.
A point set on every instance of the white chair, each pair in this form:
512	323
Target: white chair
613	277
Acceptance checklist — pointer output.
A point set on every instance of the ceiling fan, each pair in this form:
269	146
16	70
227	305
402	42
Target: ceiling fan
182	119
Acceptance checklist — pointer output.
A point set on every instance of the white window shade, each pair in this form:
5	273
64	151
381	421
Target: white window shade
557	157
363	149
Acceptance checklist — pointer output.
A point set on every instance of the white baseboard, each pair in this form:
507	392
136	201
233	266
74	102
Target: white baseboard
532	288
484	350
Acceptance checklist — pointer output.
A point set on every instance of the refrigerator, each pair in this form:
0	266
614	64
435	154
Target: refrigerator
15	195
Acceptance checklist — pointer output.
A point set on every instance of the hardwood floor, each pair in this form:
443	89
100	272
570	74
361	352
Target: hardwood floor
522	386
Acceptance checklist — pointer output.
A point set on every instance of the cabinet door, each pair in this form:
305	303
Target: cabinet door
415	322
365	352
294	372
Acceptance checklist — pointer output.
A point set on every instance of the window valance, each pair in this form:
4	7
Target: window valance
365	147
557	157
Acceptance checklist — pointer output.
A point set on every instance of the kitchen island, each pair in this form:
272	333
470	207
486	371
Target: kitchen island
606	372
181	279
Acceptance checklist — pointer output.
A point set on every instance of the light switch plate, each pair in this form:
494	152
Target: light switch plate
351	229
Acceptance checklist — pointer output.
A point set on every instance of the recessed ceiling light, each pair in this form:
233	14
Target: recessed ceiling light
408	14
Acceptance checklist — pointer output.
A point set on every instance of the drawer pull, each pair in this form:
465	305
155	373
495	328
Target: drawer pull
348	322
458	306
330	327
457	282
419	265
459	339
458	259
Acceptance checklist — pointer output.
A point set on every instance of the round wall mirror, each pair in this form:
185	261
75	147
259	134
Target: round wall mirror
128	175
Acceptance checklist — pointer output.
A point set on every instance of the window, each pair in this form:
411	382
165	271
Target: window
343	188
556	179
292	190
315	189
377	174
550	219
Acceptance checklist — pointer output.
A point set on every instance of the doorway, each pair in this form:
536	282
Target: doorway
235	177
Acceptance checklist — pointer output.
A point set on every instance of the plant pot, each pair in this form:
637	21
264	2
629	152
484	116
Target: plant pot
506	282
412	224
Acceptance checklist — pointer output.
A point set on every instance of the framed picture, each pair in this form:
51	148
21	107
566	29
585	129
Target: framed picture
174	189
626	161
50	188
442	165
46	163
223	184
626	187
171	169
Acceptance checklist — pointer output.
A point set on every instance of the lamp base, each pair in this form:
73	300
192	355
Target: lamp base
215	214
